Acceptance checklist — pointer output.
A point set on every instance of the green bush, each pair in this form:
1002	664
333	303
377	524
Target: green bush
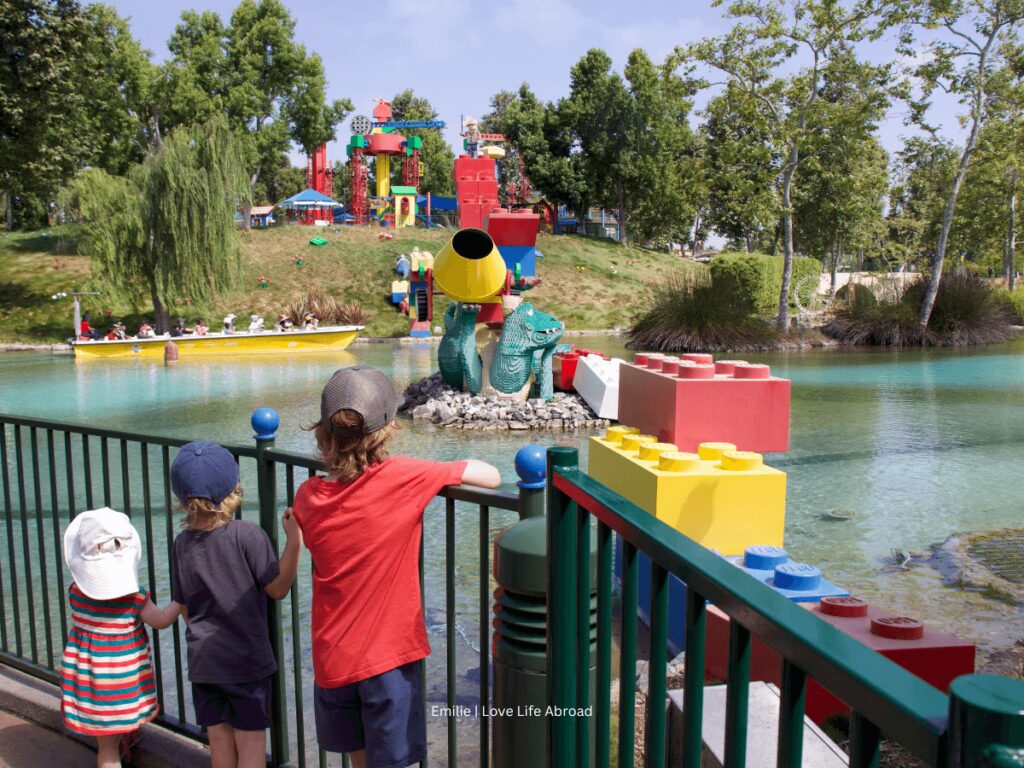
1014	301
693	313
967	311
755	279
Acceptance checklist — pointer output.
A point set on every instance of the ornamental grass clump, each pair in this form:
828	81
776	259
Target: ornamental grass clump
327	309
967	312
692	313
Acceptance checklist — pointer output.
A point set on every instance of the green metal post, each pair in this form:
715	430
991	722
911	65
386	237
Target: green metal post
986	722
265	422
561	592
791	716
737	696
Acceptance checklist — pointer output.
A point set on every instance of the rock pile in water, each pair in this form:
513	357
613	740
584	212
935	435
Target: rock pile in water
432	400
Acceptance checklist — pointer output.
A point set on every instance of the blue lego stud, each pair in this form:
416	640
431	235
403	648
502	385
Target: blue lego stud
798	577
764	557
532	466
265	422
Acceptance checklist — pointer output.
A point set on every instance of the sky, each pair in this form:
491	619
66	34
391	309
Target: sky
458	53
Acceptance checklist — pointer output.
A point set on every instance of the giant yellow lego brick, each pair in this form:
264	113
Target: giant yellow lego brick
722	498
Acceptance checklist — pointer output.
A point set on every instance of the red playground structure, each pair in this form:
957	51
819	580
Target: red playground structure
319	177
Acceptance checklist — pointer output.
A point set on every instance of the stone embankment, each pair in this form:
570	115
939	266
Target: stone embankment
432	400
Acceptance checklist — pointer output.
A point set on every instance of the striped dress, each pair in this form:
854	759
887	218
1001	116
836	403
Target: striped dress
106	677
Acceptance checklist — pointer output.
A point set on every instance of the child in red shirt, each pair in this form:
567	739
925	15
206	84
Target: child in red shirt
362	526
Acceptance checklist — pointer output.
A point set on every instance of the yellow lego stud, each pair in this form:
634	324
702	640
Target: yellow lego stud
651	451
714	451
674	461
632	442
616	433
741	460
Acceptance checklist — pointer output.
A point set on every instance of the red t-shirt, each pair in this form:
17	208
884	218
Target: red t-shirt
364	537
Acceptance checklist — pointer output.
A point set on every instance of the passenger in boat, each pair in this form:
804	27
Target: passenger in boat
145	331
178	329
368	693
201	328
86	331
117	333
229	324
284	324
310	322
255	324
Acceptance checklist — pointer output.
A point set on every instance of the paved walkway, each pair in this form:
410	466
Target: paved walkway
27	745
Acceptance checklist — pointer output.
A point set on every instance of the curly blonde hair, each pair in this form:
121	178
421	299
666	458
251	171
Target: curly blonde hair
345	456
202	515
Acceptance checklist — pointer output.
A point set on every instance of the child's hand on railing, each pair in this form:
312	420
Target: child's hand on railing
291	526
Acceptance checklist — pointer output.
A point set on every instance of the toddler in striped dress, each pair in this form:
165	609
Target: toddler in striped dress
106	677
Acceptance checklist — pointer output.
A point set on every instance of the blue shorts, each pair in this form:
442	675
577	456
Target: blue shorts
382	714
245	706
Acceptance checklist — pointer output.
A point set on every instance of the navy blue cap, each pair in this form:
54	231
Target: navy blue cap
204	470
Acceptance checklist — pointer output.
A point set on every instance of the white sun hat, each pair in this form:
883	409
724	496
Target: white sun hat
102	549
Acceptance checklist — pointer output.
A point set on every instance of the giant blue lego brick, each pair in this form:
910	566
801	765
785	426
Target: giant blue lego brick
523	255
798	582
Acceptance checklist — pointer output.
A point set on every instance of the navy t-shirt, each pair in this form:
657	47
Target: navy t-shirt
219	577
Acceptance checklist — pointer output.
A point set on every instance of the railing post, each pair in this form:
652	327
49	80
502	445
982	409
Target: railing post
986	722
265	422
561	591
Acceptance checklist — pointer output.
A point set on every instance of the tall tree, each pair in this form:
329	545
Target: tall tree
922	172
759	55
166	229
969	62
437	157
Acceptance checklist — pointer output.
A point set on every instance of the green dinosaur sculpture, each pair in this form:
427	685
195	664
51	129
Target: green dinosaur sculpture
528	342
457	357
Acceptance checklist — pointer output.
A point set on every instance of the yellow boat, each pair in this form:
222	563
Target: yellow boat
324	339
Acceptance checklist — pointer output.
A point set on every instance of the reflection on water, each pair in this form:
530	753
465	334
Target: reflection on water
919	445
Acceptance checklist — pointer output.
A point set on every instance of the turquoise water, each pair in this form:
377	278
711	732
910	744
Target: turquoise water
919	445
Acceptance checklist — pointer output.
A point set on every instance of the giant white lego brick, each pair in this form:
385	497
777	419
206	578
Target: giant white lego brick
762	731
597	382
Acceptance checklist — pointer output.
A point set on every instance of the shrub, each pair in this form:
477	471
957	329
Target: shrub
692	312
756	279
1014	302
857	294
967	311
327	309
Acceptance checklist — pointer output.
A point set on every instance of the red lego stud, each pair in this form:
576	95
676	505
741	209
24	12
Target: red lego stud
752	371
848	607
670	366
897	628
727	367
698	357
654	362
640	360
697	371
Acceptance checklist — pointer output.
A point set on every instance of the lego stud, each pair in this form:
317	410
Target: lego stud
848	607
898	628
698	357
764	557
672	461
616	433
739	461
640	360
654	362
670	366
697	371
752	371
727	367
632	442
651	451
798	577
714	451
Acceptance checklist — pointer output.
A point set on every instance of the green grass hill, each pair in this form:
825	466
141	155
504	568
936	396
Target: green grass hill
587	283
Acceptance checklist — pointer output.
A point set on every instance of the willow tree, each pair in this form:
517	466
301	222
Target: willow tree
166	229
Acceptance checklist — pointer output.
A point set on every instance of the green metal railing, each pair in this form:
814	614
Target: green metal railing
50	471
970	727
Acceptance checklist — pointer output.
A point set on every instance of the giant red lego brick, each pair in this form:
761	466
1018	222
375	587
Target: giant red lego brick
687	402
507	228
471	215
936	657
488	191
564	364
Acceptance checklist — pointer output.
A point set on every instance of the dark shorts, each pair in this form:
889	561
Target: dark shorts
245	706
382	714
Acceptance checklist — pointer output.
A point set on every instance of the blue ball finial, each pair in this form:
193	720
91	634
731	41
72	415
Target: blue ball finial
532	466
265	422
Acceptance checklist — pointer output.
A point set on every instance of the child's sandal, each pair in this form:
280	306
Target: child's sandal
125	746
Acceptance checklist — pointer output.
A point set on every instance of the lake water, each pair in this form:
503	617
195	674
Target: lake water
918	444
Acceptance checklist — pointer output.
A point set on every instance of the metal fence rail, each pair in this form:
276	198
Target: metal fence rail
50	471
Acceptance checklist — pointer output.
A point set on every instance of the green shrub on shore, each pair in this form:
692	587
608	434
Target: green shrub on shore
967	311
1014	301
755	279
692	312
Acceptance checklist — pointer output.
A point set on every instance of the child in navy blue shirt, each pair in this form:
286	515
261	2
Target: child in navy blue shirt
223	571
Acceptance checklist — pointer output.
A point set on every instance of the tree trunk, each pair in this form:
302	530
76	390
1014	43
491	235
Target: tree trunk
696	239
860	259
154	125
161	316
622	213
1011	243
8	209
837	256
247	204
787	238
746	242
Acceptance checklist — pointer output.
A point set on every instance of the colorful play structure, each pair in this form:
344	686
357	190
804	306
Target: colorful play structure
688	451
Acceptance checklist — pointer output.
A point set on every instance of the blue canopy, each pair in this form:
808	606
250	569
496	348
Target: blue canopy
308	197
438	203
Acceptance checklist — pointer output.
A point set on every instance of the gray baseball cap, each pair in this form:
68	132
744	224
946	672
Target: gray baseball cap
363	389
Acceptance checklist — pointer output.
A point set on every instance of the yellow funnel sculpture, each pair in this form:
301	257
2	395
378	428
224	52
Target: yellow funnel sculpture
469	268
